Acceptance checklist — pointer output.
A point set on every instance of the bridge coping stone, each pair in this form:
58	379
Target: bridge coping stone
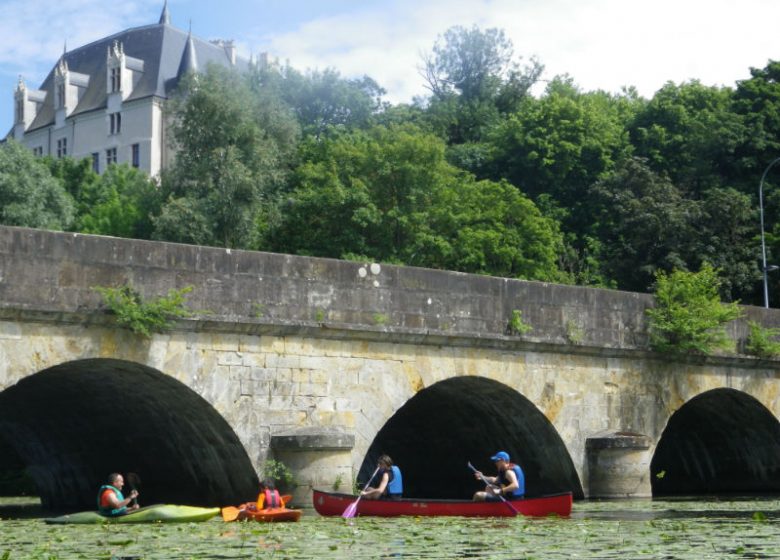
52	273
313	439
618	440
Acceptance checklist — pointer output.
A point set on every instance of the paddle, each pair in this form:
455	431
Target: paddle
230	513
482	476
352	508
134	481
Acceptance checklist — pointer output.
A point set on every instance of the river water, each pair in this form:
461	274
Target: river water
626	529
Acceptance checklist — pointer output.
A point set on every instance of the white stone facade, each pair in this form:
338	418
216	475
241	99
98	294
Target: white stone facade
104	101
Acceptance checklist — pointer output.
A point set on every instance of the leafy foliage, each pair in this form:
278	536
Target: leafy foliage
278	472
644	224
389	195
321	100
761	341
235	148
689	316
474	81
516	325
120	203
29	195
145	317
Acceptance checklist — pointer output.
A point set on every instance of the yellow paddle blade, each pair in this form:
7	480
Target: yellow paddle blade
230	513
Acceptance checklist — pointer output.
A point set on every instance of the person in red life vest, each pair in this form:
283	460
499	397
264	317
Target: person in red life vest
269	496
509	483
111	502
390	482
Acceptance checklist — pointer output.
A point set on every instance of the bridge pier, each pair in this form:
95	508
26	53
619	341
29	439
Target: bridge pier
318	457
619	465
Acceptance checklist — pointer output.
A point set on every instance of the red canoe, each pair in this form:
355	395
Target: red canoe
330	503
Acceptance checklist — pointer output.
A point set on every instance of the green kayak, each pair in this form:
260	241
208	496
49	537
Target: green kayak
164	513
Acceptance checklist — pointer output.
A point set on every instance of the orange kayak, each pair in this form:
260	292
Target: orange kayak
249	511
271	514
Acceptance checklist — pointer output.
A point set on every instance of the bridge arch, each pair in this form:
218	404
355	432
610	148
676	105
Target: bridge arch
437	432
721	441
74	423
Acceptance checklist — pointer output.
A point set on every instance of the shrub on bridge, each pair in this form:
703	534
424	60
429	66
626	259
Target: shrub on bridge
761	341
145	317
689	316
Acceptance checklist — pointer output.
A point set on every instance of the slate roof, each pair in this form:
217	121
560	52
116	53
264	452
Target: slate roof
162	47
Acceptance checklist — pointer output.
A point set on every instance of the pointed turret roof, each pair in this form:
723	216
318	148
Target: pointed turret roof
165	16
189	61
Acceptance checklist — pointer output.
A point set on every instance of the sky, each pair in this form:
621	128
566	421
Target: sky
600	44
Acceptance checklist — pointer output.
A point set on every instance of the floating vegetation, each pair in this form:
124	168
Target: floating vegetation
676	529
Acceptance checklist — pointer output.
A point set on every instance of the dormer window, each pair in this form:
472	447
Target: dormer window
60	95
116	79
122	72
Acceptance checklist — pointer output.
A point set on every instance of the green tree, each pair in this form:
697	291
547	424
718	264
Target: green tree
120	203
492	228
76	175
234	148
562	143
643	223
554	148
321	99
363	193
757	101
689	132
29	195
475	63
388	194
689	316
726	235
474	80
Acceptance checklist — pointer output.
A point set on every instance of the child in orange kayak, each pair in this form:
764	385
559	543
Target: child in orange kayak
269	496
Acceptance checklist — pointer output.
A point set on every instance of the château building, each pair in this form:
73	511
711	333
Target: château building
104	100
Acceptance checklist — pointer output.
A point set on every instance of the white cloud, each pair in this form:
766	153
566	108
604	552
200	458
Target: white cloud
34	32
602	44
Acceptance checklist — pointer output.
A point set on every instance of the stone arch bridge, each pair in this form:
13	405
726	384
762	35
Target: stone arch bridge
324	364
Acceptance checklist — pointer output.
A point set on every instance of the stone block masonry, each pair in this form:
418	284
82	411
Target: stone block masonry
308	359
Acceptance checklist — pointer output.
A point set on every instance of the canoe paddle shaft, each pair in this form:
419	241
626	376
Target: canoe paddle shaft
482	476
351	510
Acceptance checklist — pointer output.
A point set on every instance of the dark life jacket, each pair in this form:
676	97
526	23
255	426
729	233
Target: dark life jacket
503	480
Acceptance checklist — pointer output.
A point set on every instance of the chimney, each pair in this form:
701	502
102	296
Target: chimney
230	51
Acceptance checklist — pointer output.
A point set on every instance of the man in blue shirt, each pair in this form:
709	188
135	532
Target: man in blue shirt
509	483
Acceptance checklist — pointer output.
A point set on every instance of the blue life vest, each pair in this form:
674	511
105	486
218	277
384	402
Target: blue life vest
108	511
503	480
395	484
